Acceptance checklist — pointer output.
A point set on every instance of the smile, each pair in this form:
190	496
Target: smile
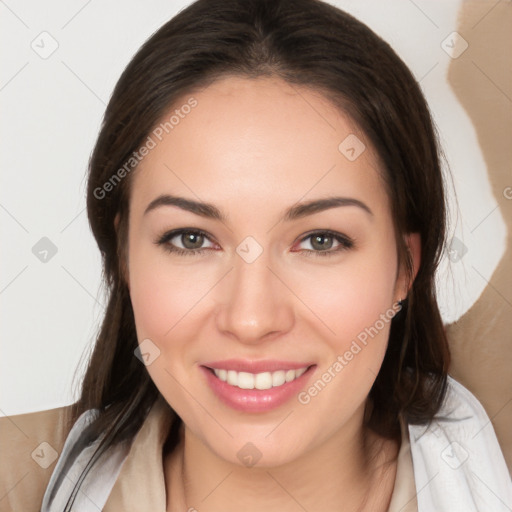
264	388
265	380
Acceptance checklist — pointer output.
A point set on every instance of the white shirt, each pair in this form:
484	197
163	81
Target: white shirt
457	463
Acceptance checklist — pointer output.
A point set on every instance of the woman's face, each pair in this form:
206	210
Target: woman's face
271	291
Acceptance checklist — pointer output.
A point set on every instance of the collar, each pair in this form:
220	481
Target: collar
141	484
457	464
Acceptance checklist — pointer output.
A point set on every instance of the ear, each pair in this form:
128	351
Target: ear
123	265
403	285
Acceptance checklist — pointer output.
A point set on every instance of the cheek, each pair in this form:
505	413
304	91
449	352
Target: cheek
162	294
163	299
351	297
355	309
153	305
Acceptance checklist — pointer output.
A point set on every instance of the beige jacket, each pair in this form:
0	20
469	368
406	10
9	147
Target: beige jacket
455	464
30	442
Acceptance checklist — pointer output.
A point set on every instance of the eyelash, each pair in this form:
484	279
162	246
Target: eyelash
346	243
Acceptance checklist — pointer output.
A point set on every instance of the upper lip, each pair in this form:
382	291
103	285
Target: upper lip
244	365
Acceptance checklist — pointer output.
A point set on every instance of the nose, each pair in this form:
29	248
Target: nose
255	304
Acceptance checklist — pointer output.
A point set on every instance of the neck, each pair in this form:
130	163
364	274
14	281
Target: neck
353	470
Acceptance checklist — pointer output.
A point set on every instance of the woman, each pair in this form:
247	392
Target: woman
267	196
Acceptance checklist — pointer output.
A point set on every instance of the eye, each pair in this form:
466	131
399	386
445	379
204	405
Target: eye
323	241
191	241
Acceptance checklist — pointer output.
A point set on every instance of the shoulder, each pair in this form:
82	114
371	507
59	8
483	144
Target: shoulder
78	452
30	445
457	459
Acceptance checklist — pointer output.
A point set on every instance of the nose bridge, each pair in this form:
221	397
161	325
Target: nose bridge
255	303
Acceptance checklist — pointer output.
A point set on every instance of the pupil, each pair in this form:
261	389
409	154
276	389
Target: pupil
316	240
191	237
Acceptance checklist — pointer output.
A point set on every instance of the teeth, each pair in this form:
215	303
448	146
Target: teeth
290	375
299	372
245	380
265	380
278	379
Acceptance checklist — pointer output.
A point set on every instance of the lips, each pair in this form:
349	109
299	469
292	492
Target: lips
256	386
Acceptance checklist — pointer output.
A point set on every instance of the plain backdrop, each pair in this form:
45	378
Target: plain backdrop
60	62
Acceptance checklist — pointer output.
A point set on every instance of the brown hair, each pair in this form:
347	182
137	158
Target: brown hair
308	43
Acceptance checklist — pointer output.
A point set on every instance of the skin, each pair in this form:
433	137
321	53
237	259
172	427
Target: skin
254	148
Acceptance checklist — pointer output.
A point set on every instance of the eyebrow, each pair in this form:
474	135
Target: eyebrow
296	211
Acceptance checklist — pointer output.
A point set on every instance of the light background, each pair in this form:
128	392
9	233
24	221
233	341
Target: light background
51	110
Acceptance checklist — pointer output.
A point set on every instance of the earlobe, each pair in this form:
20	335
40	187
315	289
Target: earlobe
413	243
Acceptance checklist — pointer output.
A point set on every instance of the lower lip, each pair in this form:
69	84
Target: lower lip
255	400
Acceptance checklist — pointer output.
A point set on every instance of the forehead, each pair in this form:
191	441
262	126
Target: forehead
258	142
